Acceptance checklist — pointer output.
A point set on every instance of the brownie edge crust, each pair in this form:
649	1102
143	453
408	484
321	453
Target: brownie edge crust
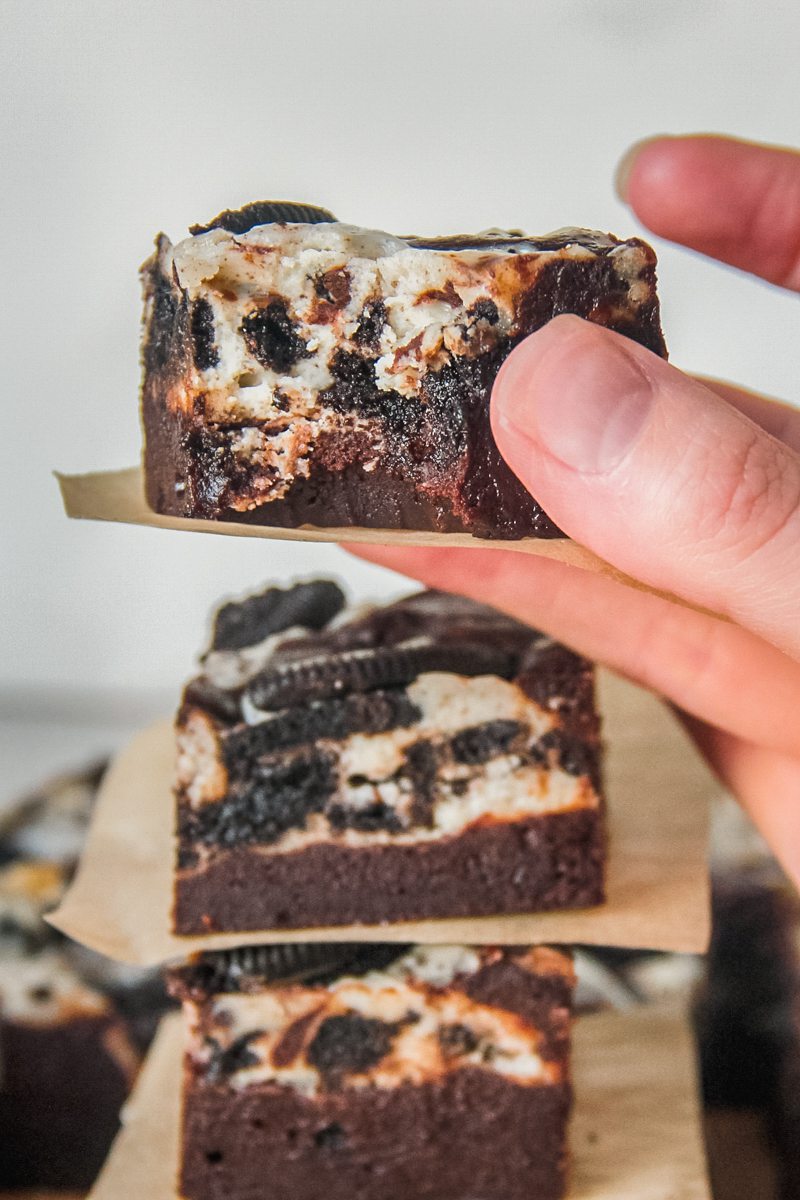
320	374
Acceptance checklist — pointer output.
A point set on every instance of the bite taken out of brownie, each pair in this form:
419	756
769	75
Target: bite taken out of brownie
299	371
385	1072
429	758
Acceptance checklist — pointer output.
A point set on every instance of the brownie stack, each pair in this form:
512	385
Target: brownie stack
337	766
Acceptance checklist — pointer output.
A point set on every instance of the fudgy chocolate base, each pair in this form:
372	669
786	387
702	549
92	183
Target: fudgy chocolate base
547	862
60	1096
469	1136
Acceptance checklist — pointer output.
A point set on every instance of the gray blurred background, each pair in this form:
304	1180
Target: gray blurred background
118	120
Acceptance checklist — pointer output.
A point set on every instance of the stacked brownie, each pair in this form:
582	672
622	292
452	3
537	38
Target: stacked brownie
337	766
432	758
437	1072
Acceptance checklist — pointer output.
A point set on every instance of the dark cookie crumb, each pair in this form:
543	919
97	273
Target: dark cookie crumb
457	1039
271	337
479	743
368	819
370	324
330	1137
576	757
203	335
350	1044
234	1058
280	795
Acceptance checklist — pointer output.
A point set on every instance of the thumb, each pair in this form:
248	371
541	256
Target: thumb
655	473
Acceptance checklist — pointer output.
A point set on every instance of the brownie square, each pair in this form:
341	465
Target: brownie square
427	1072
431	758
316	373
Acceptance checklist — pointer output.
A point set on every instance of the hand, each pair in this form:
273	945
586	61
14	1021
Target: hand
690	486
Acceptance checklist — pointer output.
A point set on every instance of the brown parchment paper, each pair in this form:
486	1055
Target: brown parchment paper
658	891
635	1131
119	496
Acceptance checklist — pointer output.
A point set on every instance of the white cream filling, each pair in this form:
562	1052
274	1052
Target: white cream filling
237	273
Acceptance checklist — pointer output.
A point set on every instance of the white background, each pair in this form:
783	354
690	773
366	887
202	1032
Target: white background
118	120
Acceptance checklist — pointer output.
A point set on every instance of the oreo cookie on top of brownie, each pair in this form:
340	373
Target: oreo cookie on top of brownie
437	1072
300	371
429	758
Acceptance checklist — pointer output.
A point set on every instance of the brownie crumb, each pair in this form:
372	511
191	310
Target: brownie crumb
330	1137
271	337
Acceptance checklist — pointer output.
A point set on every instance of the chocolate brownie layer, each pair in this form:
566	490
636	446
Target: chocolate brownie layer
430	758
437	1072
470	1135
322	374
549	862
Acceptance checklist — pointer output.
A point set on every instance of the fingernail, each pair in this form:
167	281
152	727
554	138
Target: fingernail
624	170
577	392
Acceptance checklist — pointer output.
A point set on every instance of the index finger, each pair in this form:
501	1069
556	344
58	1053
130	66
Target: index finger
735	201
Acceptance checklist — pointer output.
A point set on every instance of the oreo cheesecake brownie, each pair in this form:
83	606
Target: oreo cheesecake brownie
388	1072
299	371
431	758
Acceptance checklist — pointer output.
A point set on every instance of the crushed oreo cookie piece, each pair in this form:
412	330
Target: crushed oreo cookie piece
279	796
350	1044
377	712
271	336
479	743
233	1058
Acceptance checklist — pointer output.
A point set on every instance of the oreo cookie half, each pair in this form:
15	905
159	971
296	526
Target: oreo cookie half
265	212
